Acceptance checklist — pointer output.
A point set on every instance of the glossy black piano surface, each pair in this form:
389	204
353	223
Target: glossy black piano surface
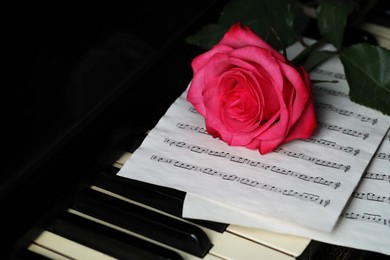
85	81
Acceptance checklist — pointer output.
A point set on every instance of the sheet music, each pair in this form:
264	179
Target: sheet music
305	182
363	224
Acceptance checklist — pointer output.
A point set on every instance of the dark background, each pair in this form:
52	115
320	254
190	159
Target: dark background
80	82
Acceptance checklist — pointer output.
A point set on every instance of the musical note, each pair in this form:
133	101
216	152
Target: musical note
368	217
245	181
335	75
330	91
376	176
346	131
198	129
192	110
273	168
343	112
370	196
314	160
382	156
332	145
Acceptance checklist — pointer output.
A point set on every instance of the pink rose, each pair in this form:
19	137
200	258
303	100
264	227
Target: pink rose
249	94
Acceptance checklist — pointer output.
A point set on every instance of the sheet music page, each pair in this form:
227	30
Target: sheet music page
305	182
363	224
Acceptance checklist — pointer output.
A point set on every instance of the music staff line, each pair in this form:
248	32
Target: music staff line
343	130
330	91
245	181
343	112
370	196
335	75
316	161
241	160
373	218
322	142
382	156
376	176
332	145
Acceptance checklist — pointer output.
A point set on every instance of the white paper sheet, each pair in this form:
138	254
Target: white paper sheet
363	224
304	182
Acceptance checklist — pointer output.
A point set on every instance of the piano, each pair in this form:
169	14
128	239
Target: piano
87	83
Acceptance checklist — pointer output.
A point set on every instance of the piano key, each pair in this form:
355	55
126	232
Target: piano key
122	159
289	244
54	246
183	254
104	239
159	227
108	180
225	245
165	199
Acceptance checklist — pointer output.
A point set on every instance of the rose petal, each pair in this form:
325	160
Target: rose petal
301	86
247	38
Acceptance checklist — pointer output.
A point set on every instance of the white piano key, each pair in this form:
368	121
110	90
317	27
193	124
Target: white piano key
289	244
122	159
67	248
46	252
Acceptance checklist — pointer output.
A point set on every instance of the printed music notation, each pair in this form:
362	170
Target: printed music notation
194	128
320	162
319	141
252	183
328	73
376	176
344	112
344	130
312	159
383	156
253	163
372	218
370	196
332	145
332	92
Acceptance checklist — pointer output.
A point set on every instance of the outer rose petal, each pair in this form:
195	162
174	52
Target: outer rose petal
307	123
200	61
301	86
246	38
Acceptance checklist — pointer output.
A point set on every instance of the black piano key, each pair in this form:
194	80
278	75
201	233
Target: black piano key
162	198
107	240
148	223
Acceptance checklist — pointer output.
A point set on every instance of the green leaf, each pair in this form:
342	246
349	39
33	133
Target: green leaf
332	19
208	36
316	58
284	16
367	69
